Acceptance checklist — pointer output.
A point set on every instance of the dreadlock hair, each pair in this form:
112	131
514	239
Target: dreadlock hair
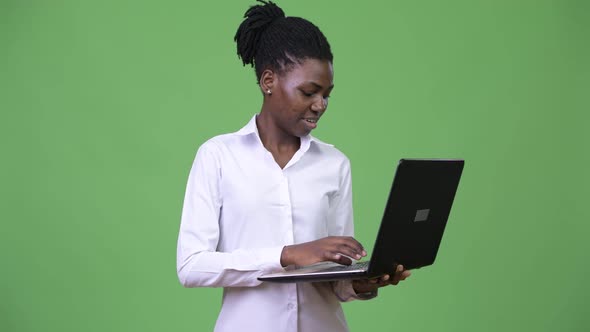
268	39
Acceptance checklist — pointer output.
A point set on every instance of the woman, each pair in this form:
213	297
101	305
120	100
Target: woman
270	195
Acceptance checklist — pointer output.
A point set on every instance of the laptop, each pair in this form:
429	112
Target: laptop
411	229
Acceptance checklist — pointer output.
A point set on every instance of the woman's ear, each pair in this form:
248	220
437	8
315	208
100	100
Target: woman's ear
267	81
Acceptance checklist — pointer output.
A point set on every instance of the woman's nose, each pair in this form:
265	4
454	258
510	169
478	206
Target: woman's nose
320	105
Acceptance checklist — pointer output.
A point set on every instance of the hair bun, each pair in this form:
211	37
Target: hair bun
257	19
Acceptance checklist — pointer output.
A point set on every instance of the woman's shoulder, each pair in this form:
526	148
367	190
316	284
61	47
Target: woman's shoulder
224	144
329	150
216	141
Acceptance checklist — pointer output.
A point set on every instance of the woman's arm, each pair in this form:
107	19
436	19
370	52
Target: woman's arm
198	262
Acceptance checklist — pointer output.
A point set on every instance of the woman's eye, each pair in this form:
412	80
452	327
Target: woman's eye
307	94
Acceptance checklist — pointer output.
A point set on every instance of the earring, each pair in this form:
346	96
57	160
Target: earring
269	92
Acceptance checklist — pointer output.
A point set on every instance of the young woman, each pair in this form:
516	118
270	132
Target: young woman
271	196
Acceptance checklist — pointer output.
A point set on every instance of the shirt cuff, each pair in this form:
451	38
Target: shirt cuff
271	259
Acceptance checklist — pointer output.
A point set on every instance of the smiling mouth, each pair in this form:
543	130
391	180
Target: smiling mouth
311	123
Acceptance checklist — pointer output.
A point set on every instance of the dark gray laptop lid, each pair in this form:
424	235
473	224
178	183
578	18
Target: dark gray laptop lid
416	214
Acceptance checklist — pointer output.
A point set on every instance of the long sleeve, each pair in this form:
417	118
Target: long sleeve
199	264
340	221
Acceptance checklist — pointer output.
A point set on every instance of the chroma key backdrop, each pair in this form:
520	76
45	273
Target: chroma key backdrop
104	104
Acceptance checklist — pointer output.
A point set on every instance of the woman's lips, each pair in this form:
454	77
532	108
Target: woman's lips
311	123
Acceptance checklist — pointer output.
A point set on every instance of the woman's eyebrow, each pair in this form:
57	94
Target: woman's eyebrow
319	86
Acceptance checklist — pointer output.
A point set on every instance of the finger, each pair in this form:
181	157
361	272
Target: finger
348	251
399	275
340	259
405	275
354	245
386	280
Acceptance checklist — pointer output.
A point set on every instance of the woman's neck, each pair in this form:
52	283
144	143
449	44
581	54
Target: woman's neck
274	138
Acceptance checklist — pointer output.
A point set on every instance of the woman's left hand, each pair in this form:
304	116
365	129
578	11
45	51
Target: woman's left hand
370	285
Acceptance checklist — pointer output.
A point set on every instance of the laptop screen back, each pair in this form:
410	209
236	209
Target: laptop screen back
416	214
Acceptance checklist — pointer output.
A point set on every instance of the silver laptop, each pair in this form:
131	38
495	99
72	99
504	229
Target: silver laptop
411	229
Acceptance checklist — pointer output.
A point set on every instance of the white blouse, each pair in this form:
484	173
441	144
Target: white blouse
241	209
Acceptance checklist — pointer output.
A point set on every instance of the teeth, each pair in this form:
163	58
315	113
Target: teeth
310	120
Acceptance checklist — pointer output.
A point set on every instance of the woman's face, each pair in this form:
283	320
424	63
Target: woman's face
300	96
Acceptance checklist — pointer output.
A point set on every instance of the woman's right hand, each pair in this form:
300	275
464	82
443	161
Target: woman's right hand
331	248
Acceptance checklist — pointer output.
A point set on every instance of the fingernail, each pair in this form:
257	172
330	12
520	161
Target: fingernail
358	256
364	253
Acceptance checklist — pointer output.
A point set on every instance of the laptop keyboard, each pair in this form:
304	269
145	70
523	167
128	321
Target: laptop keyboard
356	266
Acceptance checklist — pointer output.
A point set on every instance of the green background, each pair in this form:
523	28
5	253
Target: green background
104	104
